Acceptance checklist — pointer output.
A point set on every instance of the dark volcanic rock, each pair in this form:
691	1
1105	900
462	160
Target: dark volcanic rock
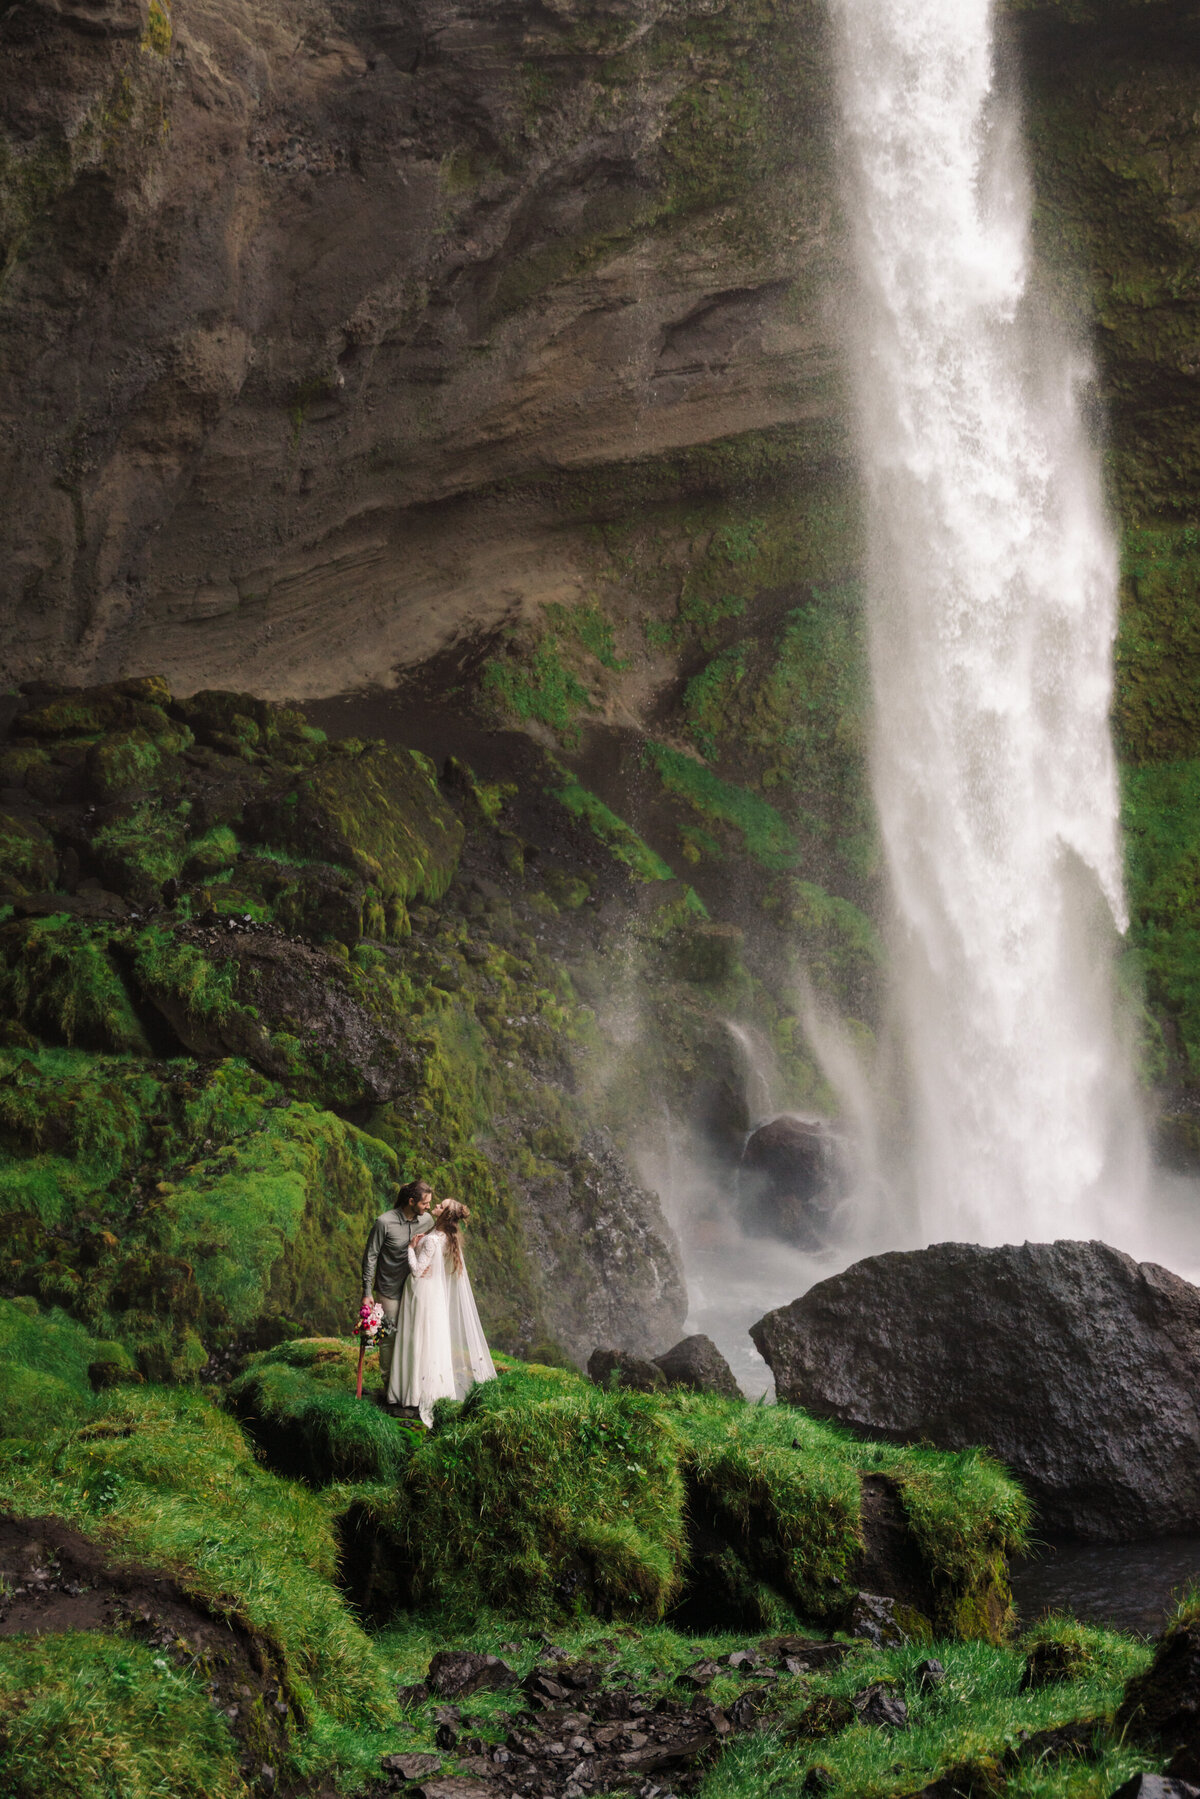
1156	1786
825	1716
301	991
788	1181
453	1673
631	1371
882	1705
699	1364
1074	1364
411	1766
1162	1706
873	1616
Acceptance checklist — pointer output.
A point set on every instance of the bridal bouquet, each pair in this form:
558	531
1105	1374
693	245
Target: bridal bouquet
371	1328
372	1324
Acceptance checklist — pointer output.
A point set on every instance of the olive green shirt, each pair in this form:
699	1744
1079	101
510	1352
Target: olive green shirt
385	1259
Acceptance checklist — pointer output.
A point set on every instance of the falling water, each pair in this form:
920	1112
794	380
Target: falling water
992	579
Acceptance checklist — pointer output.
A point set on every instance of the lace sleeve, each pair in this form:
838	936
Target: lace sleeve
421	1252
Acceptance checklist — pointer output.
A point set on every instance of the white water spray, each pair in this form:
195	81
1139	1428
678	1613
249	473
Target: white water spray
993	584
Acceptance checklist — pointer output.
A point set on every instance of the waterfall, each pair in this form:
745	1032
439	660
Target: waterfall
992	584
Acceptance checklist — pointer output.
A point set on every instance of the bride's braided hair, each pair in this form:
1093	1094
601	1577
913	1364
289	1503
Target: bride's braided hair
453	1215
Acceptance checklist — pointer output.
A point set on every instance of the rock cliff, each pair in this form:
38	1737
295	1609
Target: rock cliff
325	319
494	349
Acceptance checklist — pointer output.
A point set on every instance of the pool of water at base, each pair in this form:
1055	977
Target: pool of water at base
1130	1586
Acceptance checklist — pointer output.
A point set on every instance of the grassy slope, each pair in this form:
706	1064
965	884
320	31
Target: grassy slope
556	1490
541	1473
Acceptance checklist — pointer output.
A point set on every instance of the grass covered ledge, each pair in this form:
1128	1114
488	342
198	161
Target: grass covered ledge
555	1496
160	1476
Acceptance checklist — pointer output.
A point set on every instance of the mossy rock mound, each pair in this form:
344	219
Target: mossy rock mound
163	1478
28	862
782	1520
376	811
176	1208
51	1368
538	1495
298	1405
543	1492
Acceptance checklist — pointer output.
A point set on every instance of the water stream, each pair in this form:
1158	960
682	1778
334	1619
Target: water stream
992	608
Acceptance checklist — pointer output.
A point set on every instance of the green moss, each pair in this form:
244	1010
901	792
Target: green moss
377	812
70	1123
789	1522
59	977
1161	815
172	1211
298	1403
93	1714
269	1225
158	33
752	113
706	699
587	624
144	847
128	761
28	863
548	1487
555	1492
783	1493
167	967
45	1359
163	1478
90	713
764	834
539	687
211	854
613	832
1157	712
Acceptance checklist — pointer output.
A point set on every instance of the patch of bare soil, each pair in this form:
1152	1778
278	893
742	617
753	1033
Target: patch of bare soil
54	1579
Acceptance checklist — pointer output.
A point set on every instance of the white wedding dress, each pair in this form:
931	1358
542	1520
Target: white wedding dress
441	1351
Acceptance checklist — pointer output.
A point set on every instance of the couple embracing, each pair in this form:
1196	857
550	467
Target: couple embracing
435	1348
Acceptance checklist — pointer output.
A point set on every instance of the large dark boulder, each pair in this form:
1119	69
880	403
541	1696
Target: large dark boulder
1076	1365
698	1363
788	1181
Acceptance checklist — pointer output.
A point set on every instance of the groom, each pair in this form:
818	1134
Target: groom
385	1259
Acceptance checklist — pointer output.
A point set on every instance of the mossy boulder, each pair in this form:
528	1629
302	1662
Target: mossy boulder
374	810
290	1007
298	1404
178	1209
28	863
163	1479
50	1368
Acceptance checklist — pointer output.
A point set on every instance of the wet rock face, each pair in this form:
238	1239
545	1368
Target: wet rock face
788	1181
1075	1365
269	966
291	286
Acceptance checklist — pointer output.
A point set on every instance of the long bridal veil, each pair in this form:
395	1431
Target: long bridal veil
469	1352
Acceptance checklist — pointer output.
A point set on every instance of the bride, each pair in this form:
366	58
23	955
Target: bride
441	1351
